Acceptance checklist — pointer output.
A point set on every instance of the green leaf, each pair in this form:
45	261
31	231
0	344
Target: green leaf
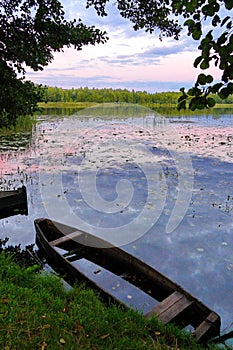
192	92
223	65
229	25
228	4
216	87
193	104
196	33
222	39
209	79
191	5
196	16
189	23
182	100
211	102
224	93
202	79
216	20
197	61
208	10
230	86
201	103
225	20
209	35
204	64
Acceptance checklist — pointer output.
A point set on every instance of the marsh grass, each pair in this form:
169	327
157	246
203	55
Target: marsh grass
66	104
22	124
38	312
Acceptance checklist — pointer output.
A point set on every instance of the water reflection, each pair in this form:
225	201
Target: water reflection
59	111
198	253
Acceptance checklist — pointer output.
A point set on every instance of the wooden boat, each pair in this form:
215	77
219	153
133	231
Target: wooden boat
13	202
64	247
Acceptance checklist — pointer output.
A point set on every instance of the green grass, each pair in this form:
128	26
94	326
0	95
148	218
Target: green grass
38	312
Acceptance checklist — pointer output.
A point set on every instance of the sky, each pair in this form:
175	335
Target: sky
129	60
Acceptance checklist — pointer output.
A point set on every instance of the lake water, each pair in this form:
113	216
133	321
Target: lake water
160	187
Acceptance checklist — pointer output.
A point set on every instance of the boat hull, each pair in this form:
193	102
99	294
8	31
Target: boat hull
174	303
13	202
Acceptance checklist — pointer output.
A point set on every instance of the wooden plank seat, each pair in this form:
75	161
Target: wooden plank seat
66	238
170	307
207	327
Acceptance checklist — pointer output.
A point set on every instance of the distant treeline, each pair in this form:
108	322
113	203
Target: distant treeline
55	94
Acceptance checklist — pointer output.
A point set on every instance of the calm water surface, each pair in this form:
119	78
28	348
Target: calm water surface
161	187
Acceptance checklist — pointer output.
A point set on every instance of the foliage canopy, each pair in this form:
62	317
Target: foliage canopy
30	31
208	21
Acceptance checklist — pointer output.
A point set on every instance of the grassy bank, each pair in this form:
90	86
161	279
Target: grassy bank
163	108
90	104
38	312
66	104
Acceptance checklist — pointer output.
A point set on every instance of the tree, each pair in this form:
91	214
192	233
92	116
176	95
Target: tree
170	16
17	97
30	31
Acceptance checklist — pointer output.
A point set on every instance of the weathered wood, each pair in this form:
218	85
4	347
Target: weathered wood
176	304
170	307
208	327
13	202
66	238
18	195
164	305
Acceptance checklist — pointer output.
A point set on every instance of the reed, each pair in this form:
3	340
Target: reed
22	124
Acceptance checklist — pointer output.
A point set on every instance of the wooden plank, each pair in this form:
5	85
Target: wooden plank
66	238
170	307
165	304
210	324
5	194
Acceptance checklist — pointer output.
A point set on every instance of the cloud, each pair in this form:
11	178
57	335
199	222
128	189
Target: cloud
77	9
152	55
133	60
128	60
106	81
